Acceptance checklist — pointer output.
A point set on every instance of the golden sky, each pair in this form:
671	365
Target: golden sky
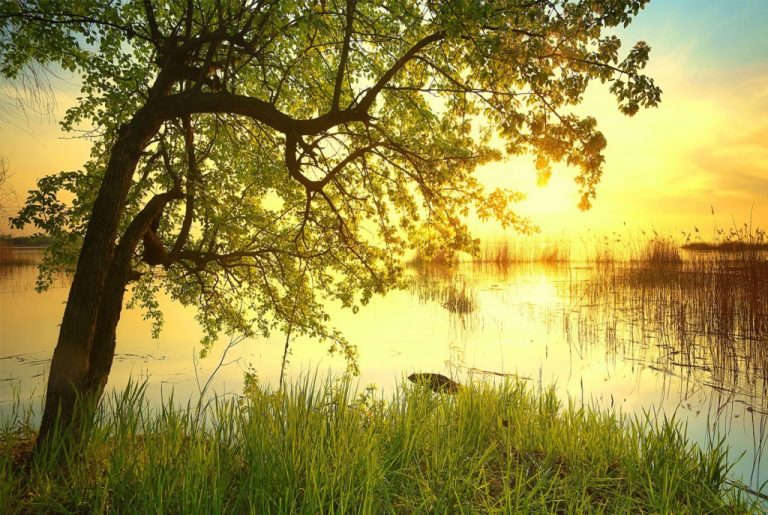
704	148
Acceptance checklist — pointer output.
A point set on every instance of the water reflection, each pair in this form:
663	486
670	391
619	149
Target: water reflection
687	340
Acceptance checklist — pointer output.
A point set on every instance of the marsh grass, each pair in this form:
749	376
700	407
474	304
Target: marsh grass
435	259
452	291
321	448
707	313
508	253
703	315
739	238
726	246
658	251
11	256
459	298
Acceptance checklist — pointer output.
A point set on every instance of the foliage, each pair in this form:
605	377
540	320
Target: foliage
308	145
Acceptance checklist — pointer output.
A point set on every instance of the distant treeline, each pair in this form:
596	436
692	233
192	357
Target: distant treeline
727	246
26	241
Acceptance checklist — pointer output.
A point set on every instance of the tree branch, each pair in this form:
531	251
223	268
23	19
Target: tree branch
152	22
344	55
370	96
192	178
178	105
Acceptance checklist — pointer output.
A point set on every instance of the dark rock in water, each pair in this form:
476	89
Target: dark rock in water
435	382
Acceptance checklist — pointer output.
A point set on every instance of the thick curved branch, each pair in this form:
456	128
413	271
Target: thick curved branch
179	105
184	104
140	225
292	164
372	93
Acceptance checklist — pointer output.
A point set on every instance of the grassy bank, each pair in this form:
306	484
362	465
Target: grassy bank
320	449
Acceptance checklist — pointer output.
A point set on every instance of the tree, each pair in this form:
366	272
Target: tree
273	154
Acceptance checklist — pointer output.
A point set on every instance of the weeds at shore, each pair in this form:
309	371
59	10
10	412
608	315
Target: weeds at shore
659	251
705	316
11	256
505	254
317	448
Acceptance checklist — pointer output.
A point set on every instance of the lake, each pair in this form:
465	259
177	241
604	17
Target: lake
688	340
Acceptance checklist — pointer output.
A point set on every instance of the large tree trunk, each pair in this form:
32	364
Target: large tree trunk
103	348
90	297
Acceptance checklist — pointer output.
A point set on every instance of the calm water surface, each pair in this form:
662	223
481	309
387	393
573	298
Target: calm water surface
600	338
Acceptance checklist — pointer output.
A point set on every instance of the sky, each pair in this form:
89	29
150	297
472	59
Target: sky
704	150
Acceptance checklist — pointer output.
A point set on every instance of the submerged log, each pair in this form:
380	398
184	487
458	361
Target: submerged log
435	382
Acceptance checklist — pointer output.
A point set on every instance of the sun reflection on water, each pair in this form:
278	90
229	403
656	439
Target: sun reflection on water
610	336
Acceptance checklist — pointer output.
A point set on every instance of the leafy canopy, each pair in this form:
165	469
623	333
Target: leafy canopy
312	143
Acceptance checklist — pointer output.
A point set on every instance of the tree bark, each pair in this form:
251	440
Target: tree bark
103	348
90	296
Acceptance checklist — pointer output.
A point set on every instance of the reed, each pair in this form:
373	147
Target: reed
423	259
739	238
320	447
659	251
606	249
459	298
506	253
10	255
708	313
455	292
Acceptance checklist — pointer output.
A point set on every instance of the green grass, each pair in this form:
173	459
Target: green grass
319	448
